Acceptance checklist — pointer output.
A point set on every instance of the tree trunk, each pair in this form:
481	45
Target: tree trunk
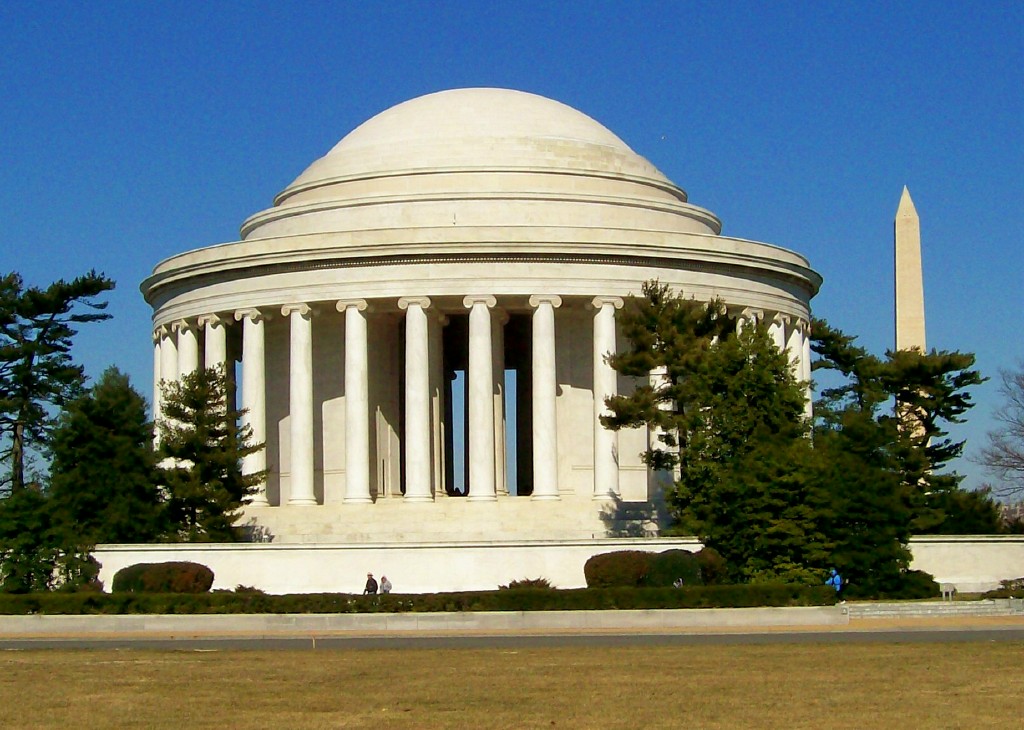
18	458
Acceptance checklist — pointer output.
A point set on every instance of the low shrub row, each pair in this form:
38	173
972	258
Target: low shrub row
521	599
638	568
1013	588
911	585
170	577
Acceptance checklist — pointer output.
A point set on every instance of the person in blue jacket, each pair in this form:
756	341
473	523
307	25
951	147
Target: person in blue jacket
835	580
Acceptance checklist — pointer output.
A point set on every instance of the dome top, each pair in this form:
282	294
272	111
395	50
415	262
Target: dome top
455	155
477	128
465	114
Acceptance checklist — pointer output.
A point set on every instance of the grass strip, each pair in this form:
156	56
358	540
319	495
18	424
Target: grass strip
919	685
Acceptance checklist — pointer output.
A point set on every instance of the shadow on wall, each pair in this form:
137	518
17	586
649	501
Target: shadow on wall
253	531
634	519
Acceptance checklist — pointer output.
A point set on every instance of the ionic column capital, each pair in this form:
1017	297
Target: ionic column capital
211	320
553	299
486	299
603	301
749	314
358	304
303	310
421	302
252	313
183	325
781	320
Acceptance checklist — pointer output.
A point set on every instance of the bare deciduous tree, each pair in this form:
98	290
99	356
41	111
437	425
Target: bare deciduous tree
1003	457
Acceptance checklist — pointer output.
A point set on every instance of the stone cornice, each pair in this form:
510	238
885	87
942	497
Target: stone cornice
297	189
679	208
742	259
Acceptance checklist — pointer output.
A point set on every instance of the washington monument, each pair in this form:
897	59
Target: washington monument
909	277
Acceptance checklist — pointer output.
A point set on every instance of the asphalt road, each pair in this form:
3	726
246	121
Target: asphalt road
522	641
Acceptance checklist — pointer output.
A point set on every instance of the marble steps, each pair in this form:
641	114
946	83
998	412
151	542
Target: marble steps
445	520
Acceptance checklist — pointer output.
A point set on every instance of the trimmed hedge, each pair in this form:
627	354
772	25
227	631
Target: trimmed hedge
582	599
713	568
171	577
671	565
617	569
912	585
637	568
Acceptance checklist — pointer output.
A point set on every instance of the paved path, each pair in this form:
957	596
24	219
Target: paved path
889	630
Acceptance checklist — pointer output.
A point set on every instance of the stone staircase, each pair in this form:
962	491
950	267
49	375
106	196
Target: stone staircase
448	520
936	609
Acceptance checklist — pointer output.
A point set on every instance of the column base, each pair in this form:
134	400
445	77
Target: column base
418	498
358	500
483	498
544	498
605	497
255	502
302	503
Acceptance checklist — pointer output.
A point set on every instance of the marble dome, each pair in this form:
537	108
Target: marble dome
478	144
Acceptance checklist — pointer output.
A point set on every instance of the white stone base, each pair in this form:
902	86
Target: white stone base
972	563
411	567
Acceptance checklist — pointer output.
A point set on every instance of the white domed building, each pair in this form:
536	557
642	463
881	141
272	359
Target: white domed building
453	266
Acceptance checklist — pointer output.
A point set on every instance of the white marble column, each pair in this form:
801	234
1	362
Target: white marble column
498	321
545	390
300	403
157	367
168	355
659	479
357	402
795	348
480	401
438	394
806	369
254	394
777	331
188	347
748	317
417	399
216	341
606	457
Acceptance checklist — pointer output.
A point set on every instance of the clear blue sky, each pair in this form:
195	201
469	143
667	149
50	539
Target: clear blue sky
133	131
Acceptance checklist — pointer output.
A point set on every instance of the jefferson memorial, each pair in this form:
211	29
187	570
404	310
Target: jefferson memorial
419	324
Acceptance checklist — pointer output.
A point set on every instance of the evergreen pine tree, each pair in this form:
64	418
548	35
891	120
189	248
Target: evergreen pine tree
37	327
898	409
730	416
202	444
103	478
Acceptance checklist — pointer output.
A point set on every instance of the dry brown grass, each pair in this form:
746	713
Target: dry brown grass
965	685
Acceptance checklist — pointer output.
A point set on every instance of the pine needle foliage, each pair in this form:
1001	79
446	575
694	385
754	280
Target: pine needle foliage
728	412
202	444
895	411
104	483
37	372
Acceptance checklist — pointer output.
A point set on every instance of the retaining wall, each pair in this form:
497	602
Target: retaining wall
971	563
